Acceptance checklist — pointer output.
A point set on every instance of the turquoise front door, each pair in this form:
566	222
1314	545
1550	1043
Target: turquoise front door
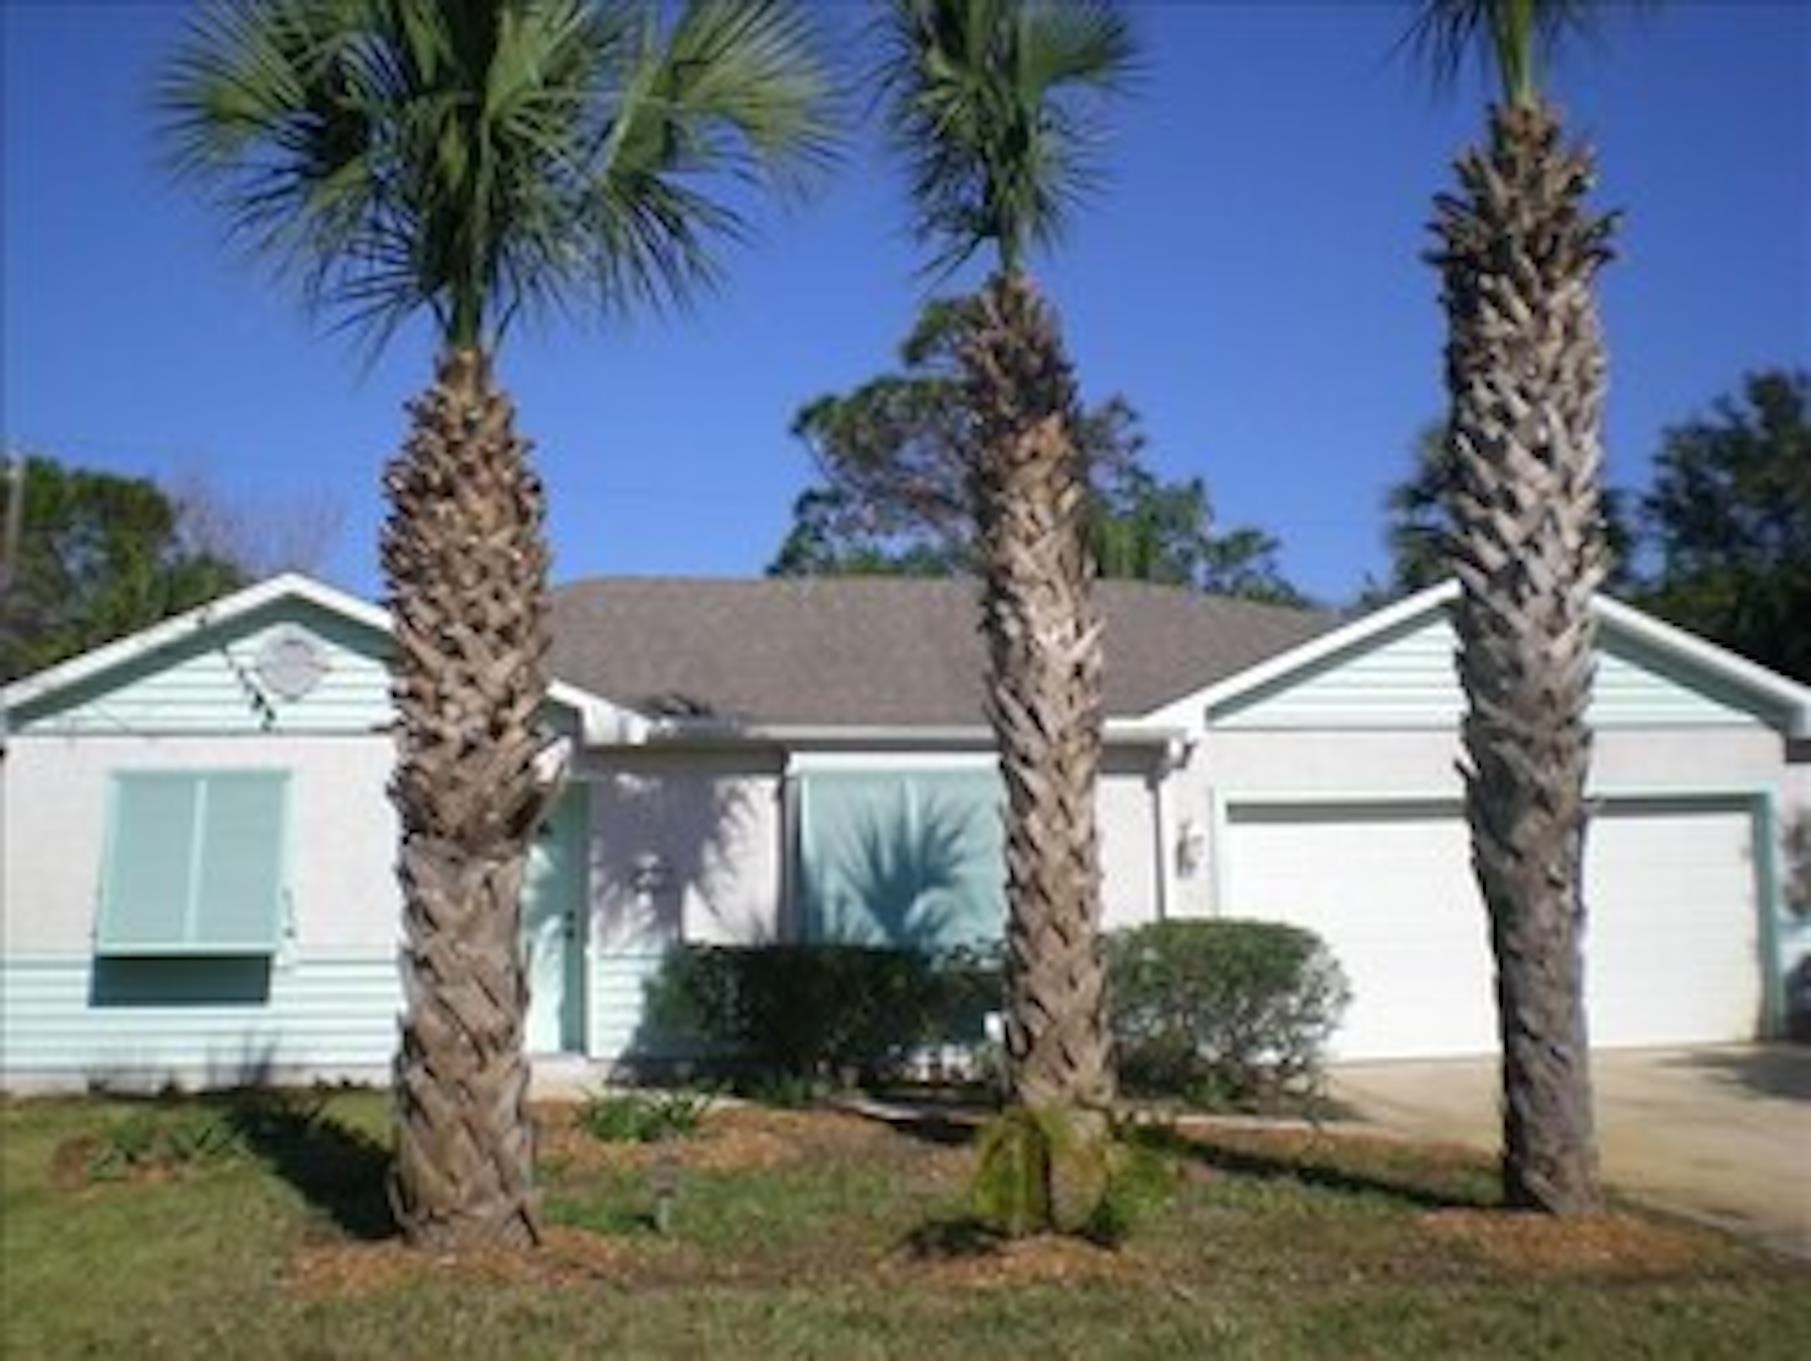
554	903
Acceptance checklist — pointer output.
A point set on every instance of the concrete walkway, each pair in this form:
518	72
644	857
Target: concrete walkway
1720	1134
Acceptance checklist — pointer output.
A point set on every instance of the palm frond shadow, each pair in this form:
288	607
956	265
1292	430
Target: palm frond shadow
899	884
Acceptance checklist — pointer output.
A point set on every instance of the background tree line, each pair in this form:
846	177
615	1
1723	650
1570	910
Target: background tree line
1719	543
100	555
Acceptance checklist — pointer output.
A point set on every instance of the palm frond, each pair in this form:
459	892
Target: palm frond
995	107
1512	40
483	158
736	89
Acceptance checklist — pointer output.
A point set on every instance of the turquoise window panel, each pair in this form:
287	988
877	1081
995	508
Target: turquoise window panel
239	881
909	860
149	881
195	863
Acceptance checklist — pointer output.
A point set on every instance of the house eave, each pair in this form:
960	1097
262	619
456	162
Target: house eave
720	732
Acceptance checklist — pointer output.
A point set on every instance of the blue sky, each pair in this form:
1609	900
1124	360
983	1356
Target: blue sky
1251	281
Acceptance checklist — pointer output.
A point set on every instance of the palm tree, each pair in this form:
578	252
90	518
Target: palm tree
474	160
1518	253
989	104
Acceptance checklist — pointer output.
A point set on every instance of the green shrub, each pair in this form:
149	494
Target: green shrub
1223	1013
829	1012
1219	1013
166	1139
643	1117
784	1091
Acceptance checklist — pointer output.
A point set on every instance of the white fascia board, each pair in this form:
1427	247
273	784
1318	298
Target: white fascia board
1688	647
1118	732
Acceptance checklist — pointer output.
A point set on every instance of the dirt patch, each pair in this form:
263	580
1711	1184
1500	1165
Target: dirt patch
341	1270
72	1162
728	1141
1003	1263
734	1139
1540	1245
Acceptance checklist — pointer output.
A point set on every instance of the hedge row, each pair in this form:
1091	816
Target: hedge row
1220	1012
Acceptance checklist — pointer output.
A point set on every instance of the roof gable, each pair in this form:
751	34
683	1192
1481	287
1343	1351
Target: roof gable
1394	669
202	671
210	679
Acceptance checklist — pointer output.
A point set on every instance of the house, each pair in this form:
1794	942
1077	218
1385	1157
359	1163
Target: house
196	849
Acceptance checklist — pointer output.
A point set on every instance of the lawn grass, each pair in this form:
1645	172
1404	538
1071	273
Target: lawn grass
818	1234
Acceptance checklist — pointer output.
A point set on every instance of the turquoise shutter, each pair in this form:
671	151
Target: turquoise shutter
910	860
855	845
194	864
150	862
239	888
957	816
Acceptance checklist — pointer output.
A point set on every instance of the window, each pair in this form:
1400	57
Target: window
909	859
194	863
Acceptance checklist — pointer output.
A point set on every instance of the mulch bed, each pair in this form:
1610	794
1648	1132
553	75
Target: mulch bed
1004	1263
1539	1245
567	1257
732	1139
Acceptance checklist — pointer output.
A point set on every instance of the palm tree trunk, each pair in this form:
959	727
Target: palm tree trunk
466	564
1044	700
1526	366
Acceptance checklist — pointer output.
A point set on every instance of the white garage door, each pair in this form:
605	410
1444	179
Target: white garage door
1671	952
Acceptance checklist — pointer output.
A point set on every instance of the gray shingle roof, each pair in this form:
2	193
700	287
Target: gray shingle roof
875	650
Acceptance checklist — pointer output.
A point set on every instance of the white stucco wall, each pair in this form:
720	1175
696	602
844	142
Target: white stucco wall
684	844
1128	850
342	889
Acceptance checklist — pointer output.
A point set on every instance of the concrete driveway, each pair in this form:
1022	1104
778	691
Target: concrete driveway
1721	1134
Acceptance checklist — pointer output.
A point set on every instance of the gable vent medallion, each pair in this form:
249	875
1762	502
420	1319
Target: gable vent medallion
291	663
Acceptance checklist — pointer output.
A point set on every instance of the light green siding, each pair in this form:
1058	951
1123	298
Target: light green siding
1406	680
618	1025
209	683
901	859
319	1014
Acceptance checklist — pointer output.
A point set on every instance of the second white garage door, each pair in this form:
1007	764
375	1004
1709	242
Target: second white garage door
1672	955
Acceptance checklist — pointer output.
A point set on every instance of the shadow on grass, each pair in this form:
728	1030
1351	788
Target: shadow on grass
953	1239
926	1126
1324	1173
339	1170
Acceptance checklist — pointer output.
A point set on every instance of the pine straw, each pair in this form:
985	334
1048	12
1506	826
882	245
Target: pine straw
1047	1260
340	1270
720	1145
730	1139
1602	1245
